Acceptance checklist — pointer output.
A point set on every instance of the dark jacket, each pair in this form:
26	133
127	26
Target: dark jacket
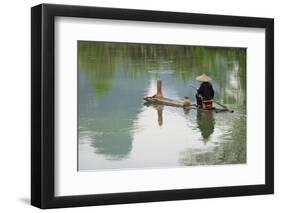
206	91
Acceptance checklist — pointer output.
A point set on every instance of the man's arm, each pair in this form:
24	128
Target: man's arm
200	90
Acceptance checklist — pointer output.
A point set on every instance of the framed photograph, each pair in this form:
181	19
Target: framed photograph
139	106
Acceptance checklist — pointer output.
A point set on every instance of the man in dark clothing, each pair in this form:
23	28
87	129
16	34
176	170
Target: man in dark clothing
205	91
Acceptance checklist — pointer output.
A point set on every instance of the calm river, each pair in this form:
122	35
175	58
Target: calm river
118	131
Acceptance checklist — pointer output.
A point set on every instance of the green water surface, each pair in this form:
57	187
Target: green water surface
118	131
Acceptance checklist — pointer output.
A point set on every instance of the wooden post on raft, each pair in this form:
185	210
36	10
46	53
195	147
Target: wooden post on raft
159	93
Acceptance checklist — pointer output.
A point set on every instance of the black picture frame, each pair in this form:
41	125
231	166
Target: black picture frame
43	105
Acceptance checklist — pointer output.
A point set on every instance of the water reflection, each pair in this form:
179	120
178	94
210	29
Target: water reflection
106	121
206	124
117	131
205	119
159	109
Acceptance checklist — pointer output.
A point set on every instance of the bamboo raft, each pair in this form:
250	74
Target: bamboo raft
164	101
180	103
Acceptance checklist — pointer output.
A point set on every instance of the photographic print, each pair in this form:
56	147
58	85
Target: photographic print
172	106
160	106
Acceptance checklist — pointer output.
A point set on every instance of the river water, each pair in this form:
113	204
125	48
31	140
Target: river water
118	131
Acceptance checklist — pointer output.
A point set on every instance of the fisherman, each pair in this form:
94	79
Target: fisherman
205	92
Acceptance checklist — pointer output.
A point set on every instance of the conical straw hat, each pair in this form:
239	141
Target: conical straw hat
203	78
